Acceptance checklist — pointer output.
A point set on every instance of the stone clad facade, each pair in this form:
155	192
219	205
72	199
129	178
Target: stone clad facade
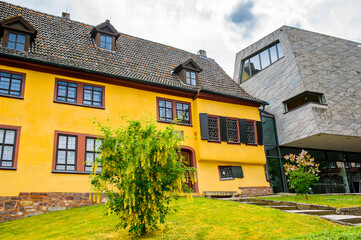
317	63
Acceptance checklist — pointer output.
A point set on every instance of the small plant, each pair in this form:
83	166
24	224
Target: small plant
302	171
142	171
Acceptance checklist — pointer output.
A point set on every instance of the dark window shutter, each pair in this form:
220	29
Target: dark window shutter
203	118
237	171
242	130
223	124
259	132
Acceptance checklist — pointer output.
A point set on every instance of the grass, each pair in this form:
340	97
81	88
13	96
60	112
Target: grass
349	233
337	201
201	219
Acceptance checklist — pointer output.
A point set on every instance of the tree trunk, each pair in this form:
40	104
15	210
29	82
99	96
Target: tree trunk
143	230
306	196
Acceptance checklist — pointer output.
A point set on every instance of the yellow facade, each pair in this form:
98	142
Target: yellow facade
39	117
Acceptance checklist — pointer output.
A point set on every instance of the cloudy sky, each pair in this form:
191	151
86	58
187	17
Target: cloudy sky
222	28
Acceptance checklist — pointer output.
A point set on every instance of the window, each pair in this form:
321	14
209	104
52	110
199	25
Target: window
169	109
66	153
191	78
12	84
250	132
92	95
9	144
75	152
253	65
225	172
79	93
106	42
92	148
302	99
16	41
67	91
232	130
213	128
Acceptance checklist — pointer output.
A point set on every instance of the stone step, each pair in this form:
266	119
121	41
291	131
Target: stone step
283	207
312	212
255	203
235	199
344	219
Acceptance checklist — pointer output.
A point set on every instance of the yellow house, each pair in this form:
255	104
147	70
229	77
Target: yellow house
58	75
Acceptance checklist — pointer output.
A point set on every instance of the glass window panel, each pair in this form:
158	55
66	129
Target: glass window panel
12	37
61	98
102	44
71	168
71	142
71	100
255	65
272	152
335	156
4	74
97	96
98	143
2	131
90	144
61	157
109	39
11	45
15	85
61	91
273	53
10	137
17	76
269	131
87	95
15	93
7	163
97	155
354	157
279	49
193	75
162	112
169	113
98	89
62	142
8	153
180	114
108	46
188	74
161	103
71	157
72	85
5	83
194	82
89	158
88	169
179	106
72	92
60	167
102	38
62	83
265	59
87	102
169	104
97	104
20	47
4	91
21	38
88	87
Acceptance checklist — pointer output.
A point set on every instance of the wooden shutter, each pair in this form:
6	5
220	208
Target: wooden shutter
237	171
242	131
203	118
223	125
259	133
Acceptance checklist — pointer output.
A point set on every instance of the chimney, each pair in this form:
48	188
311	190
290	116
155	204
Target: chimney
202	53
65	15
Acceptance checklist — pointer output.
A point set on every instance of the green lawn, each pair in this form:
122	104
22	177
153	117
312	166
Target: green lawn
337	201
201	219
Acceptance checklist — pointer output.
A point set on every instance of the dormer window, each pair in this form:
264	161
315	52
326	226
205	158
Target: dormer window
105	35
191	78
17	33
188	72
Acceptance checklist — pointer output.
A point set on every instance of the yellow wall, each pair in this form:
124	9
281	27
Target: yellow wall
39	117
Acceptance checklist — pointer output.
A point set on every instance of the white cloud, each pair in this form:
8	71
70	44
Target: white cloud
192	24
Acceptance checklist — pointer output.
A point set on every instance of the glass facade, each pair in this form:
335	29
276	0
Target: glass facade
340	171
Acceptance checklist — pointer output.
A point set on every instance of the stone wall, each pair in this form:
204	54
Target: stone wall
31	204
255	191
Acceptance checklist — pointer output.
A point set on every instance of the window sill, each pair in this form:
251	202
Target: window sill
180	124
214	141
8	168
252	144
234	143
77	104
71	172
225	179
11	96
321	105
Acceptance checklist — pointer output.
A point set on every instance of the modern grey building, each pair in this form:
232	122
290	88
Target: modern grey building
312	83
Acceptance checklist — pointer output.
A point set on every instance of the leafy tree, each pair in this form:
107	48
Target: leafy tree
302	171
141	173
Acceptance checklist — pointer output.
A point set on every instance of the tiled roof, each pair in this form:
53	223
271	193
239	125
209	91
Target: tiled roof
68	43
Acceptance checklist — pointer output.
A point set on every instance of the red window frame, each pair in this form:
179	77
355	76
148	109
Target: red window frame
174	111
239	135
80	151
22	87
79	93
219	129
16	146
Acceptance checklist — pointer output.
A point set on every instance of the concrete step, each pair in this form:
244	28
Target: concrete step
235	199
312	212
344	219
281	207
